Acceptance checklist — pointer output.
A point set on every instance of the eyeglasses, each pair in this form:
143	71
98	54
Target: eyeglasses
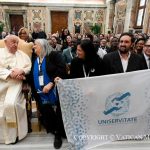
148	46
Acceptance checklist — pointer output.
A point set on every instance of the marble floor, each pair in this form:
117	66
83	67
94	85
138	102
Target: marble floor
35	141
43	141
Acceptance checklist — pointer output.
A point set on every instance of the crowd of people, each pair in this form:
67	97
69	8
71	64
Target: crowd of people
67	56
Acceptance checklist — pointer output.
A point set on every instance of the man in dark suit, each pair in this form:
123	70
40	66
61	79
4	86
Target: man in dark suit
123	60
146	54
103	49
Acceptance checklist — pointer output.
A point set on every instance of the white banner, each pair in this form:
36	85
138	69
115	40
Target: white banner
97	110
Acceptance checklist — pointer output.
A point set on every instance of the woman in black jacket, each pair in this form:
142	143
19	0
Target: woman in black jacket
87	63
47	65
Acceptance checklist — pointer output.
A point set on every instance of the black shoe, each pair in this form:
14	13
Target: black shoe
57	142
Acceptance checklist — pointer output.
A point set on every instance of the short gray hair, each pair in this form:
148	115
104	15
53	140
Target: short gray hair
46	48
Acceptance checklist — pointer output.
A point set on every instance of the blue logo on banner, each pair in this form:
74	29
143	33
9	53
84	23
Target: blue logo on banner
117	104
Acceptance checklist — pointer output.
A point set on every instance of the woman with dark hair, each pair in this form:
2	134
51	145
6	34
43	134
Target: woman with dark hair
87	63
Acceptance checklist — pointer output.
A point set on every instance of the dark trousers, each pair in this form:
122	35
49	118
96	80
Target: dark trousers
51	119
28	109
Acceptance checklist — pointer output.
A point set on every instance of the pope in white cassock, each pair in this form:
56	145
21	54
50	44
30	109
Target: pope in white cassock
14	65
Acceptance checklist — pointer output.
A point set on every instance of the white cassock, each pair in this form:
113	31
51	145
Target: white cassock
13	118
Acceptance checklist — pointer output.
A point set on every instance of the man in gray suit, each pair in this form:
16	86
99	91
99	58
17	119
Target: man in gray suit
69	53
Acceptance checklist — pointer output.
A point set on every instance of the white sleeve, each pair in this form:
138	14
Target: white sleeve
4	69
4	73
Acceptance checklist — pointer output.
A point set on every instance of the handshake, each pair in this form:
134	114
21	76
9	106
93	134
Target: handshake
18	74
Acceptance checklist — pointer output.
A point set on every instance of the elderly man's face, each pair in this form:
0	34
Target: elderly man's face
12	44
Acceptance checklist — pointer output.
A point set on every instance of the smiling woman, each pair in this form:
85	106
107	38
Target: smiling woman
48	65
87	63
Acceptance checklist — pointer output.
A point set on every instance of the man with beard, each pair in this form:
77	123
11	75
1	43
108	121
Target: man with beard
123	60
54	43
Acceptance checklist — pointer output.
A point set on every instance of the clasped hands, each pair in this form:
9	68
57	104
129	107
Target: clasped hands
17	73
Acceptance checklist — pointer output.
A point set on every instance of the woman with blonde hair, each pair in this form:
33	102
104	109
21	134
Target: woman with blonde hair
24	34
25	41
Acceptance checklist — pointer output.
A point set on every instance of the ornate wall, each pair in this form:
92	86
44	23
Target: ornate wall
125	17
118	17
146	25
84	19
6	11
80	19
120	14
2	17
36	18
111	16
133	14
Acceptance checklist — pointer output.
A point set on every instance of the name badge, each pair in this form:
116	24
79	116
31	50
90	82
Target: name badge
41	80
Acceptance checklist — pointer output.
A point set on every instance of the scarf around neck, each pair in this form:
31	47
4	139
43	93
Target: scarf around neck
51	96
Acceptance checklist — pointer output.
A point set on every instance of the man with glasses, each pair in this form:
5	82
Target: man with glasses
146	54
